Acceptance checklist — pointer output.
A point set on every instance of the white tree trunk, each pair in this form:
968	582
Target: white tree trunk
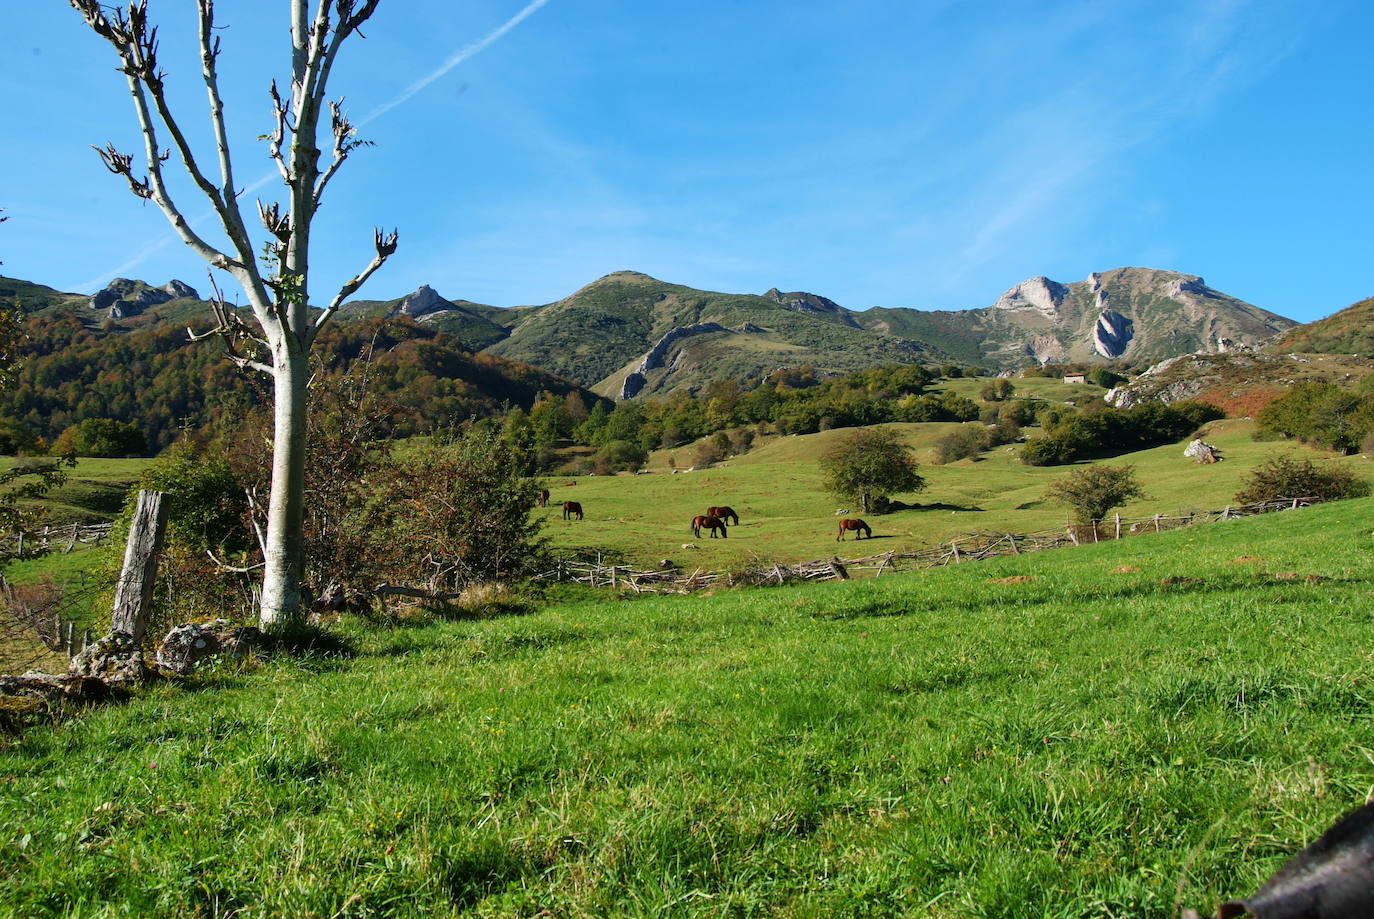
285	555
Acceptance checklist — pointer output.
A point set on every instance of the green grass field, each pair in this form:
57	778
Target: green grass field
785	514
1115	730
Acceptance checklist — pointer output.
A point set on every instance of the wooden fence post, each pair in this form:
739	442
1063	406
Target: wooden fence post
134	592
1118	526
1156	523
1012	539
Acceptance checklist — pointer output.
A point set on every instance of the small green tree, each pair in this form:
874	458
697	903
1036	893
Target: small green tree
1285	478
1093	490
870	464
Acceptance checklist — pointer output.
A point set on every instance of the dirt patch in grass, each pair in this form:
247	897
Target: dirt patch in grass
1014	579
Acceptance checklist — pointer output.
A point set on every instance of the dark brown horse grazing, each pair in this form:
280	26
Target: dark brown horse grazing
708	522
860	528
724	513
542	499
571	508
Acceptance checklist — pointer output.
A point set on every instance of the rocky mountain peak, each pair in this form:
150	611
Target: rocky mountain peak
423	301
1038	293
126	297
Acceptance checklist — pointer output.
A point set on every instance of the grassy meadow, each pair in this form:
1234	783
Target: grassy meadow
786	515
1115	730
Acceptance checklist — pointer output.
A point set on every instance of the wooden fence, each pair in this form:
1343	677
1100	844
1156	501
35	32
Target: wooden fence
62	538
972	547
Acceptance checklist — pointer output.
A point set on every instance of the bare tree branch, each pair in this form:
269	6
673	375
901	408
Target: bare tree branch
386	246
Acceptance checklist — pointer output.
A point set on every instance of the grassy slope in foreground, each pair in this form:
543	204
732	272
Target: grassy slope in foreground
1125	728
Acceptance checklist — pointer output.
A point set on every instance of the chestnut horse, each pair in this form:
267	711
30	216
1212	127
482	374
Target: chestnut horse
724	513
711	523
542	499
570	508
860	528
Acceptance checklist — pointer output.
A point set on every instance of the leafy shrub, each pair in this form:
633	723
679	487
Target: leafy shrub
999	390
1285	477
618	455
963	442
1093	490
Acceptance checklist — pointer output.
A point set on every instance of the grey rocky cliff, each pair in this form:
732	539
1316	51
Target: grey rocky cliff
124	297
653	358
1112	333
423	301
1039	294
803	302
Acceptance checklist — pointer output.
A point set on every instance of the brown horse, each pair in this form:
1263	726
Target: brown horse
706	521
861	529
724	513
571	508
542	499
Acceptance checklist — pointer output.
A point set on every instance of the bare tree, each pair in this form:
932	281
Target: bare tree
278	288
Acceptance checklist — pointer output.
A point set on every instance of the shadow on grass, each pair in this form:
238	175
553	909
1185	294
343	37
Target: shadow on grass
306	641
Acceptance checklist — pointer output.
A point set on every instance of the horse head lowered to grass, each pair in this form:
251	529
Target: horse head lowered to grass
709	522
861	529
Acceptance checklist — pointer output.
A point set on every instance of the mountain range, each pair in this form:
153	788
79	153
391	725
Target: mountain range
628	334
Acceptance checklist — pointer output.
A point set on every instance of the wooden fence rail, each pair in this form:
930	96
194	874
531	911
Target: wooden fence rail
66	538
971	547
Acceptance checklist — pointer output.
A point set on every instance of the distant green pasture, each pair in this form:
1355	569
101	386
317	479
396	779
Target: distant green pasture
785	514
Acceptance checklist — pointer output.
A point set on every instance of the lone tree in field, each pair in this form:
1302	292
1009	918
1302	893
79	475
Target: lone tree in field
277	287
1093	490
869	465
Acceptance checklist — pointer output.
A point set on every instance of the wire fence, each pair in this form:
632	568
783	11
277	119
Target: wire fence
970	547
46	623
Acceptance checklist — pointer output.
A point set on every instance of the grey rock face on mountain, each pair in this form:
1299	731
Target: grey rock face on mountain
803	302
423	301
653	358
1124	313
1038	294
124	297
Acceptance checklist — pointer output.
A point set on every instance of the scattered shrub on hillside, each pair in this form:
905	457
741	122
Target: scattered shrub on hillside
1093	490
999	390
617	456
1106	378
868	464
1282	478
963	442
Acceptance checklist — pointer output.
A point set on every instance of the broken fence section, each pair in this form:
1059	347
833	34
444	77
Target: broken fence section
972	547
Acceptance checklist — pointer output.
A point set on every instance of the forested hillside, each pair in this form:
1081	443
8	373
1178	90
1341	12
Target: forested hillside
158	379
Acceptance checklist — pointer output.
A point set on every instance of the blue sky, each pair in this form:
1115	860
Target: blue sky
926	153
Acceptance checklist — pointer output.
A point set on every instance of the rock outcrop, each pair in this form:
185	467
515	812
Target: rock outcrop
116	658
653	358
123	297
803	302
187	645
423	301
1039	294
1112	334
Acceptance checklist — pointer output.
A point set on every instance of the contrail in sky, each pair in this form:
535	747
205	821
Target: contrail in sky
458	57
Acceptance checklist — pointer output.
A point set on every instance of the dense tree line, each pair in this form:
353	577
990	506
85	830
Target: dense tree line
788	401
1102	430
160	382
1324	415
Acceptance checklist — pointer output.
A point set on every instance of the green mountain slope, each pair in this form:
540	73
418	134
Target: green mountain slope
1350	331
678	337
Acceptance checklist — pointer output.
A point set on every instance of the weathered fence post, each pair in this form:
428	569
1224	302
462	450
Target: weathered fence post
134	592
1012	539
1226	513
955	547
1118	526
837	569
1156	523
